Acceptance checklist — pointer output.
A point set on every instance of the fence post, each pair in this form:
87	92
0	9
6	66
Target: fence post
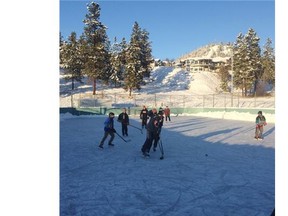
203	101
238	100
72	99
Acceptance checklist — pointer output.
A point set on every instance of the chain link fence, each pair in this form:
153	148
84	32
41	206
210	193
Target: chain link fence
88	100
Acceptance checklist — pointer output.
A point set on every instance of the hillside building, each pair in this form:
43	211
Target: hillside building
197	64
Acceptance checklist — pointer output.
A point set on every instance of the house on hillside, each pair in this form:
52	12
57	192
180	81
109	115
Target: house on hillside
196	64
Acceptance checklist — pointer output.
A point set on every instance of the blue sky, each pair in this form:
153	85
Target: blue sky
176	27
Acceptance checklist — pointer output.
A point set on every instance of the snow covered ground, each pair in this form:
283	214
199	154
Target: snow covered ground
211	167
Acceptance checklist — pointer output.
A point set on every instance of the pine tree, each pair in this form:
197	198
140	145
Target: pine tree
138	59
239	66
225	77
62	45
247	62
133	74
71	60
116	62
254	52
146	53
97	45
268	63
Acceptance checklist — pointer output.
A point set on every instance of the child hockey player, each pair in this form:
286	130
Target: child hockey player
123	118
108	130
144	116
260	123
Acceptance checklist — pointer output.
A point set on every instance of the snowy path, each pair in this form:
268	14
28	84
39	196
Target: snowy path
236	178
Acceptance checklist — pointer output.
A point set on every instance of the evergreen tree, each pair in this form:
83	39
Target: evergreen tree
146	49
254	53
122	57
71	60
225	77
134	72
247	62
138	59
239	66
62	44
268	63
116	63
97	45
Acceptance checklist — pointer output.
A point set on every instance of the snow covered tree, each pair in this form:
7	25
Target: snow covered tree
247	62
71	60
116	62
254	63
146	49
225	77
61	49
239	66
97	45
138	58
268	63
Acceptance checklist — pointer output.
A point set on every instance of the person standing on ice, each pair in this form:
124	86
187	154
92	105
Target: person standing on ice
167	113
260	123
157	137
123	118
144	116
152	128
108	130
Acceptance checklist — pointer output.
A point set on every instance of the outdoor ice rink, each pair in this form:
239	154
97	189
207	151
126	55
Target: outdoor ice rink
211	167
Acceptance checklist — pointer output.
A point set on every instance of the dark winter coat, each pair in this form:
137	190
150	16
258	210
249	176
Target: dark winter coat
144	114
123	118
153	123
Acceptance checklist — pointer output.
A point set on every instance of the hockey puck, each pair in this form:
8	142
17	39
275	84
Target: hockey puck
206	155
161	158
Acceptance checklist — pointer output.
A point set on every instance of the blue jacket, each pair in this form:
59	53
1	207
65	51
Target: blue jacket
109	125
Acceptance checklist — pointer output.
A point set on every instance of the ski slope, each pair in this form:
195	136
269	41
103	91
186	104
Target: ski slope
211	167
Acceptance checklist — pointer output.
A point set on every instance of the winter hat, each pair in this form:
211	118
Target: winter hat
260	112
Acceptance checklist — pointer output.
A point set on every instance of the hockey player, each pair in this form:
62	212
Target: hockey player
167	113
260	123
157	137
123	118
108	130
152	128
144	116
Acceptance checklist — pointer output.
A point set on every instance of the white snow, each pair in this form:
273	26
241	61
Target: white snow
235	178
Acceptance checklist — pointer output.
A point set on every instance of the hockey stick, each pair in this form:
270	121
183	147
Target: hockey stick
161	149
123	138
136	128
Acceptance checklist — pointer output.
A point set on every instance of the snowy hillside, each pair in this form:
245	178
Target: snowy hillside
210	51
162	80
